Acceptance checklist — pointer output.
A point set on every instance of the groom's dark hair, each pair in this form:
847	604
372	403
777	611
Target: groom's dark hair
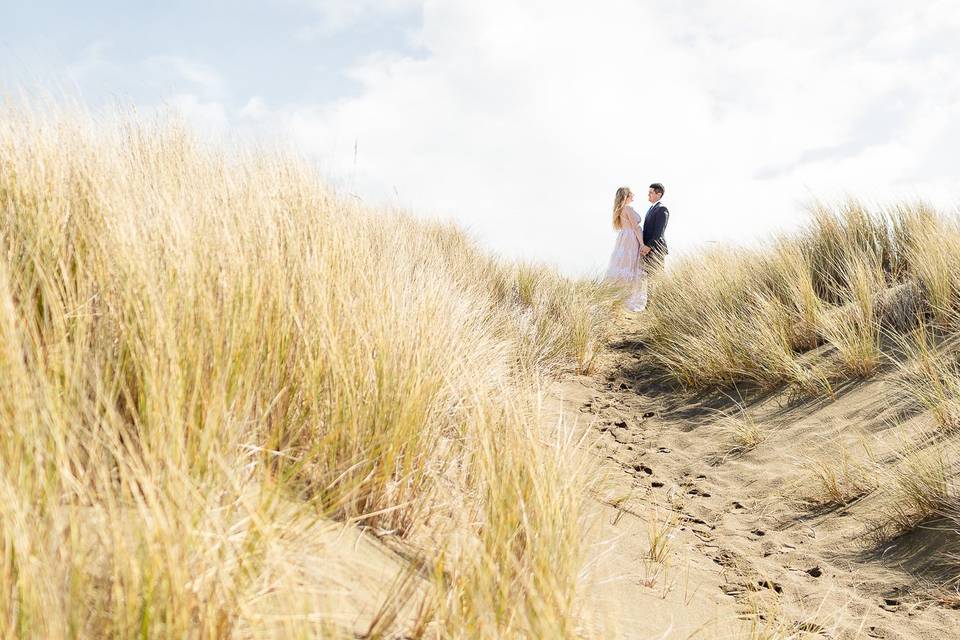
656	186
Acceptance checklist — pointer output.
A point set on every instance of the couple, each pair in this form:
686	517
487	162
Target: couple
640	248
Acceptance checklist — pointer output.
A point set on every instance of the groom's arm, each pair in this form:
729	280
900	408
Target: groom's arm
658	228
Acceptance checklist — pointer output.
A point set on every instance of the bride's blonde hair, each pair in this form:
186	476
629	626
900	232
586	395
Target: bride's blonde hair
621	197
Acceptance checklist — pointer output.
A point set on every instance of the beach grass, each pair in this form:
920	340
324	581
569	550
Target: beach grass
215	368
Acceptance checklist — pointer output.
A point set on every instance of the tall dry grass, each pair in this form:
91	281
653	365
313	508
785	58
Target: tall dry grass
847	283
211	364
929	374
856	292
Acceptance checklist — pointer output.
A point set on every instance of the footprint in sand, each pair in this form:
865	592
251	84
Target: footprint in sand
733	589
770	584
877	632
890	604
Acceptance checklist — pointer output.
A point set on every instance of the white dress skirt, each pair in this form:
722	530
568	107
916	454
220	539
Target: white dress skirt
626	264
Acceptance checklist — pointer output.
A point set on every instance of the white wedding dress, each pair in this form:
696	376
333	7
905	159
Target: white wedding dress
626	265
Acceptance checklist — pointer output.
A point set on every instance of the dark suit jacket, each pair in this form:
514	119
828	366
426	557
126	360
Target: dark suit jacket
654	226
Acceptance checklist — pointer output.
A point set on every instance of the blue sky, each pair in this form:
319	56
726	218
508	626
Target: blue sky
520	119
294	52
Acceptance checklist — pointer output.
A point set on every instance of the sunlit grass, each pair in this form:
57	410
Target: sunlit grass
847	282
856	294
212	364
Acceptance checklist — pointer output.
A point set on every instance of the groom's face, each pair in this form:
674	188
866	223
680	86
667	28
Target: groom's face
652	196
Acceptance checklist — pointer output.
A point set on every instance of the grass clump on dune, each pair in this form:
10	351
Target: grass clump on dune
852	279
855	293
210	360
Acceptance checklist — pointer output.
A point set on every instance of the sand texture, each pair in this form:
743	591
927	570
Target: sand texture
704	538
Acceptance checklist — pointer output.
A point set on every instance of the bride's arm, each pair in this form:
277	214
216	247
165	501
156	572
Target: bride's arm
633	219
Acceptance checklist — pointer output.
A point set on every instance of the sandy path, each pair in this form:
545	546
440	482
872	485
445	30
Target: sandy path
741	559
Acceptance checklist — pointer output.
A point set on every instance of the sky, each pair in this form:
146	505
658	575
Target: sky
519	119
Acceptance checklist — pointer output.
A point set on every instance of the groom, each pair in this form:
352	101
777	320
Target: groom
654	247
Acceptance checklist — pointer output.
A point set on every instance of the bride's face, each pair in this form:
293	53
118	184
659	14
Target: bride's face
629	198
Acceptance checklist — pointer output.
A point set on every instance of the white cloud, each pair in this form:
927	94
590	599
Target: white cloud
202	76
209	118
255	109
523	118
338	15
90	60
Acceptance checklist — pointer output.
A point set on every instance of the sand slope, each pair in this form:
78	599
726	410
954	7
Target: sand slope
748	555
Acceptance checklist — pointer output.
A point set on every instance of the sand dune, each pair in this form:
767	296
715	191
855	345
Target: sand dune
747	542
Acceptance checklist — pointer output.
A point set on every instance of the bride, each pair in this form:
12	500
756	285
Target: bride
626	266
